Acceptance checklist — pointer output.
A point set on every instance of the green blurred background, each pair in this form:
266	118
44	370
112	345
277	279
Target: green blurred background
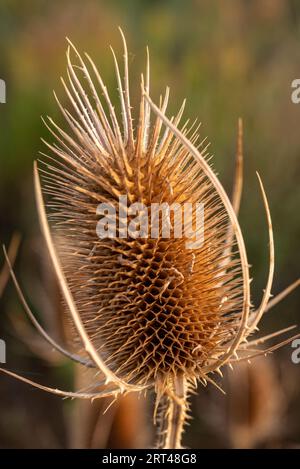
229	59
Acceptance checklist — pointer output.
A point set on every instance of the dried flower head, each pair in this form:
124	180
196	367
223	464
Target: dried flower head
148	312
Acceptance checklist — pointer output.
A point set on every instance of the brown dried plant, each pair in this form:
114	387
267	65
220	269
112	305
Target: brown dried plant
12	254
147	313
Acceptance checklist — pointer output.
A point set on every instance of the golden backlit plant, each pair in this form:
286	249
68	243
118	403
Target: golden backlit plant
149	314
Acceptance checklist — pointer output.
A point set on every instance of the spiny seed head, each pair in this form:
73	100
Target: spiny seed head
153	307
152	304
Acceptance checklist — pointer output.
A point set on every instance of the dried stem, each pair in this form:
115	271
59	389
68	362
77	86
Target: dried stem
173	413
282	295
12	254
238	178
37	325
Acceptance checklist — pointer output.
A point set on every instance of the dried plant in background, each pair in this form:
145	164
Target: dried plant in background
146	313
256	404
97	424
254	411
12	254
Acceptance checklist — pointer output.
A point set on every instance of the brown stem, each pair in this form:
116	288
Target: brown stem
173	414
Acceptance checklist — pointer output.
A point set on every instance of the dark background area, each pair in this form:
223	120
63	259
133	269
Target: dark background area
229	59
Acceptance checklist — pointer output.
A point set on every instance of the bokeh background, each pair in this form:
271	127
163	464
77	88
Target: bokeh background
229	59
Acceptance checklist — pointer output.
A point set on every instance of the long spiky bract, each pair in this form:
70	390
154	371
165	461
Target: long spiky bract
150	312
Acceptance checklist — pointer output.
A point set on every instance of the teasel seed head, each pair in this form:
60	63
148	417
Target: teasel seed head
158	312
151	312
153	307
